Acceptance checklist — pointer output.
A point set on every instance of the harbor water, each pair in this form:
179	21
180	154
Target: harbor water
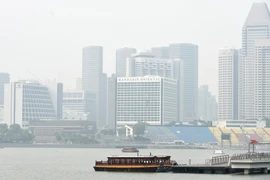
77	164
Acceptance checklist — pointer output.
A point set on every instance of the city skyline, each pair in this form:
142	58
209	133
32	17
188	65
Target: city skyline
33	45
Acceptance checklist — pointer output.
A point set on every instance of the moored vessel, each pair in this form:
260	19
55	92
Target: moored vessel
130	150
218	151
135	164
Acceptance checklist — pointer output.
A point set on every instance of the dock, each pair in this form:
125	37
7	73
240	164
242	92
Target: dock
247	163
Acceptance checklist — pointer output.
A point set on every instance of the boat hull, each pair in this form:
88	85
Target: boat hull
127	169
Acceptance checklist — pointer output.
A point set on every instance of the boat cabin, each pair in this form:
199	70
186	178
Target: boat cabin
137	160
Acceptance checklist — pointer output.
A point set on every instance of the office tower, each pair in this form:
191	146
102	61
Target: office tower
207	109
149	99
79	83
111	96
121	56
27	101
103	101
144	64
4	79
160	52
256	27
188	53
92	64
228	84
262	78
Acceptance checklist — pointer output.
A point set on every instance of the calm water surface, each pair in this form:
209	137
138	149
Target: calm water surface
77	164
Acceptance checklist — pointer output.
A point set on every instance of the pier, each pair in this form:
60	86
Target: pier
247	163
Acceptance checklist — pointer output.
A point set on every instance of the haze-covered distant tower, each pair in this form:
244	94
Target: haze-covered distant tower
4	79
257	26
103	101
207	109
92	64
160	52
188	53
228	84
262	78
79	83
111	103
121	56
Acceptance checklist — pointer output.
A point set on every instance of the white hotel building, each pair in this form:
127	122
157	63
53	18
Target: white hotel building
149	99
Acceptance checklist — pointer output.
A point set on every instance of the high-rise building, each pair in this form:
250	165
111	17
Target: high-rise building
208	108
111	107
103	101
121	56
92	64
27	101
262	78
144	64
160	52
79	83
149	99
188	53
4	79
228	84
256	27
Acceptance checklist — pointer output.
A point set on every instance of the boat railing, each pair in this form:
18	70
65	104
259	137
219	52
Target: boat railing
126	163
101	162
251	156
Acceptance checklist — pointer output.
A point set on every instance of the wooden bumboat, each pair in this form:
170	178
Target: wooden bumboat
135	164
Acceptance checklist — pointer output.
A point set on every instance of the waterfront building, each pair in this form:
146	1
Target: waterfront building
150	99
228	84
27	101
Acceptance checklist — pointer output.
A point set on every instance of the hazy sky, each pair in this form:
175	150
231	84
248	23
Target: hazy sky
43	38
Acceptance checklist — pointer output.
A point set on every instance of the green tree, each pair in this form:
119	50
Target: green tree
3	132
139	128
121	131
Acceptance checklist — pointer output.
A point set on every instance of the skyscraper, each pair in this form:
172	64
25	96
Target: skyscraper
103	101
228	84
262	78
188	53
160	52
144	64
207	108
121	56
92	64
257	26
4	79
111	103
